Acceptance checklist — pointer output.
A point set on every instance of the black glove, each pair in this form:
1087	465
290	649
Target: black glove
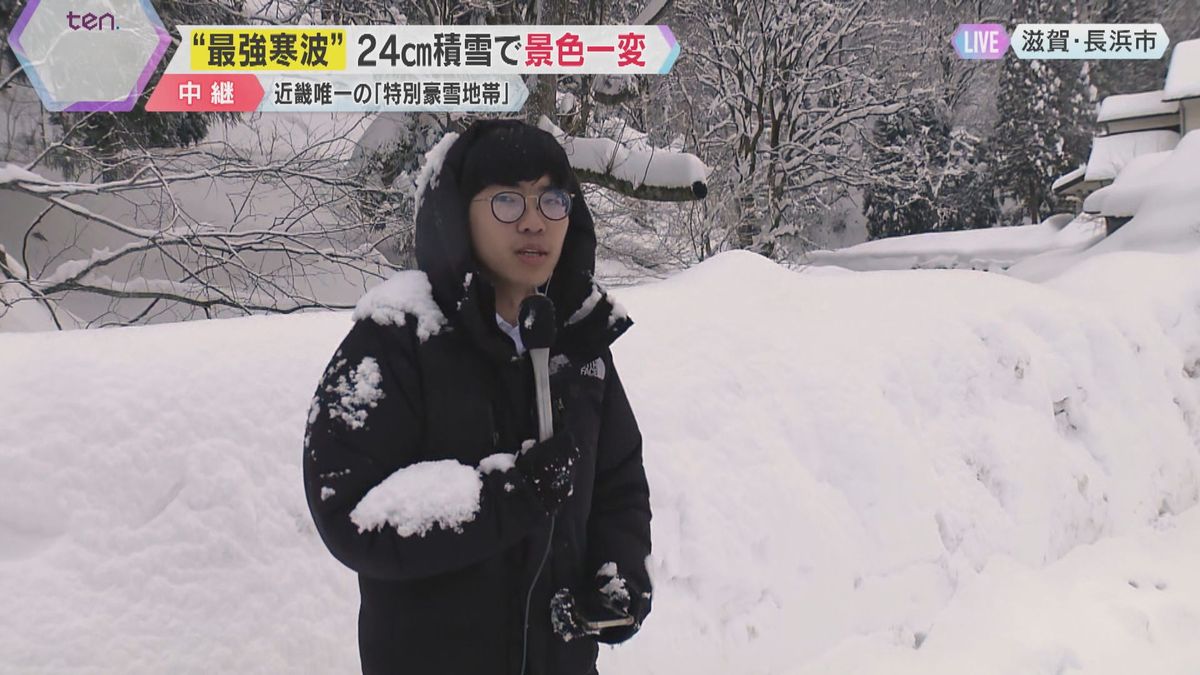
549	468
611	597
615	595
565	617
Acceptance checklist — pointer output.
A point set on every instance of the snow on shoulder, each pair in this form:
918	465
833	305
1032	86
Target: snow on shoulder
407	292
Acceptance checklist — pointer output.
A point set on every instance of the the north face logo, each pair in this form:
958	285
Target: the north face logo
594	369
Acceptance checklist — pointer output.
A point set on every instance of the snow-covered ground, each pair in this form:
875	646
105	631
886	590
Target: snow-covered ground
884	472
1158	191
990	249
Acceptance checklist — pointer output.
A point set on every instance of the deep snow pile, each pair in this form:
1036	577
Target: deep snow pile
1161	191
843	466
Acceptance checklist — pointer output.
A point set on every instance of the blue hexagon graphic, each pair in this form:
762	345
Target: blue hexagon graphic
68	68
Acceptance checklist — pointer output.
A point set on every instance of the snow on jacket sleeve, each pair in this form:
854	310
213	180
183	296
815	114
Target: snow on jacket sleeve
619	524
365	427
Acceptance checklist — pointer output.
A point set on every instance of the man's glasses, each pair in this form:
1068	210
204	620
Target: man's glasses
509	206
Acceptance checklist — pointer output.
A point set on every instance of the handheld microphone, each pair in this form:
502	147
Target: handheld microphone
536	323
537	326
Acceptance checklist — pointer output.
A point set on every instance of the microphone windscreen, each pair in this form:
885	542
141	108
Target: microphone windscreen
536	322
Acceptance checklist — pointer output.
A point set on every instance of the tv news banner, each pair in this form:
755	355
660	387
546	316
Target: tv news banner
990	41
100	55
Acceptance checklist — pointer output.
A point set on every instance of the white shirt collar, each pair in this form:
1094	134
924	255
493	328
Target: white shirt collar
512	332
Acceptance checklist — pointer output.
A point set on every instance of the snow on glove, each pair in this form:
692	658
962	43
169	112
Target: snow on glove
565	618
549	468
610	599
616	594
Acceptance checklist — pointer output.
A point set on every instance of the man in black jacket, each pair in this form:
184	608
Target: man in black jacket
419	465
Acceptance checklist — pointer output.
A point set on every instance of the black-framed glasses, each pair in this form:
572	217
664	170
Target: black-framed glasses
509	206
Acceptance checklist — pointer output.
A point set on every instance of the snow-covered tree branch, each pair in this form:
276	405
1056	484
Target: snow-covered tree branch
288	222
654	174
789	92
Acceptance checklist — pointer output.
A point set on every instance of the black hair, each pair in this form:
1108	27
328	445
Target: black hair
511	152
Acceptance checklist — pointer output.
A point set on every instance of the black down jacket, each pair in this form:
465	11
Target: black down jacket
424	375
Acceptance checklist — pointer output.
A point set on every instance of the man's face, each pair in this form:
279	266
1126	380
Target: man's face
518	256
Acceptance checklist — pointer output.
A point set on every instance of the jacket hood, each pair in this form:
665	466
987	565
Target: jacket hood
588	319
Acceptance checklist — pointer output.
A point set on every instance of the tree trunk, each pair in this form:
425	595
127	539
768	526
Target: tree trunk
542	98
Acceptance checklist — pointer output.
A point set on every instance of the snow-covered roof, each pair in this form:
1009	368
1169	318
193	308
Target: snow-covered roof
1163	198
1129	187
1110	154
1183	77
1069	178
1132	106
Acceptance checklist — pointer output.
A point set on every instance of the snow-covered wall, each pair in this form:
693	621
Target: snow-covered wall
846	468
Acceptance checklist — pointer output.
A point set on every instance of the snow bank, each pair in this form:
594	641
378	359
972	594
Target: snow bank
1111	154
843	466
1165	199
935	422
1138	178
1100	609
987	249
1162	193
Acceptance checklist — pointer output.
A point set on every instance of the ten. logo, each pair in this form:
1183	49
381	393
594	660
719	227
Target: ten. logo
91	21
